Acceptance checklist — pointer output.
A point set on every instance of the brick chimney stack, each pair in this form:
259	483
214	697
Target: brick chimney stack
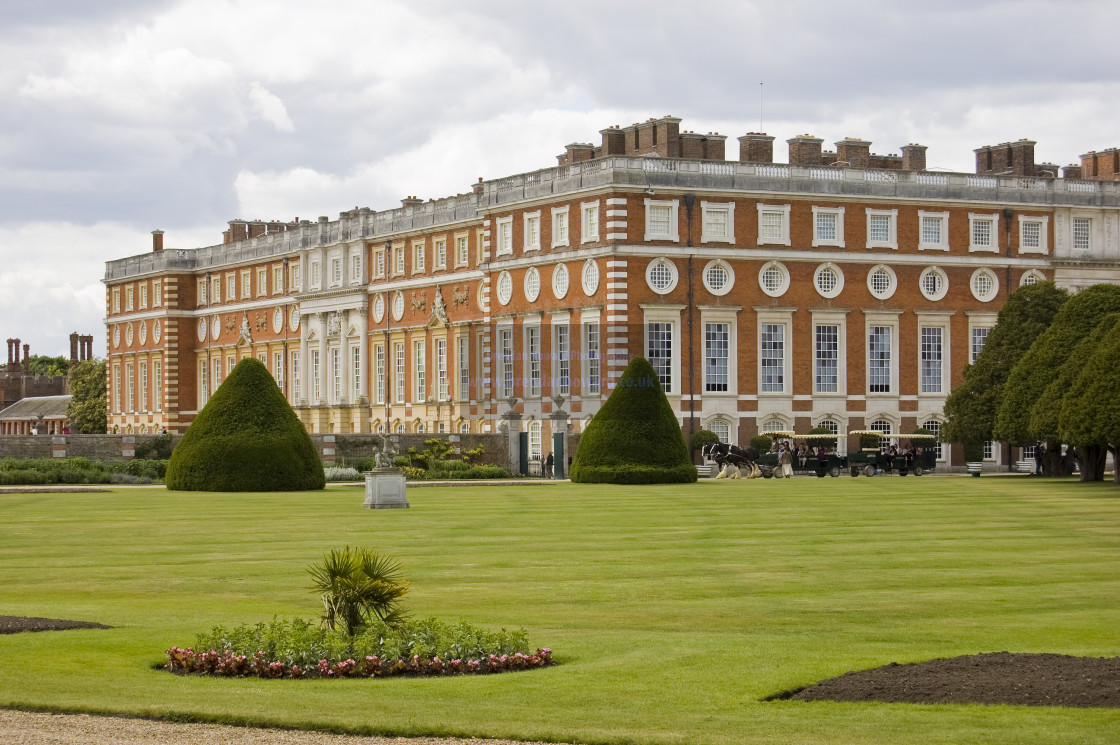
614	141
480	187
73	347
157	241
805	150
854	151
913	157
10	360
26	352
411	201
756	147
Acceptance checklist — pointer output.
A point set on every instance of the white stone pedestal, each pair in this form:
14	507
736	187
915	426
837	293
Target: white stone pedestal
385	489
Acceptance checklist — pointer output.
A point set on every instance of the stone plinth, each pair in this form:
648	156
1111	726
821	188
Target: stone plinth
385	489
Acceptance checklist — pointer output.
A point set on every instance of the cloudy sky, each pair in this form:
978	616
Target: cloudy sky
122	116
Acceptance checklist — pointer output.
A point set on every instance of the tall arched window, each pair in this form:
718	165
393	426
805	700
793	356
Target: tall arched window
534	440
721	429
882	425
934	426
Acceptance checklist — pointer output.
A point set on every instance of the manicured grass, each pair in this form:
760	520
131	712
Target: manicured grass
673	609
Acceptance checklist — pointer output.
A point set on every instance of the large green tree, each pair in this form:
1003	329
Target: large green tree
635	437
52	366
1031	404
1089	411
971	407
87	408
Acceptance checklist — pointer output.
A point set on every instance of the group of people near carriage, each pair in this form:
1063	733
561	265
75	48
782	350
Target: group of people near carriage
811	454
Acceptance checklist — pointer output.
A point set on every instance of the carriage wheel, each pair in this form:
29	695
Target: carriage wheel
766	472
834	471
869	470
820	473
854	470
917	470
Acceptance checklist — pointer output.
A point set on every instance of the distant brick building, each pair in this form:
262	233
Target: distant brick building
843	289
17	383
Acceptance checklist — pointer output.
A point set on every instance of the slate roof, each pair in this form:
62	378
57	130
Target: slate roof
31	408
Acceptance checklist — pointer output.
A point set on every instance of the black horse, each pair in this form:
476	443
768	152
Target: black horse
724	454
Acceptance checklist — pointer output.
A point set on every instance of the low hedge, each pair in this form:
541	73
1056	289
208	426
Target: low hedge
39	471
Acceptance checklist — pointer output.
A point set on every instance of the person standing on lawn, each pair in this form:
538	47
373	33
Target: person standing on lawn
785	459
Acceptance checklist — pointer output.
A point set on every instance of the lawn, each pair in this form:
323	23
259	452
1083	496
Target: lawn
673	610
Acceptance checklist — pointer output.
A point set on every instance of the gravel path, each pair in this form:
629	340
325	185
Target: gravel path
28	728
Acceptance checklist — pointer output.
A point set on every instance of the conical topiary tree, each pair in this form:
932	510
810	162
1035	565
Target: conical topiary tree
247	438
635	437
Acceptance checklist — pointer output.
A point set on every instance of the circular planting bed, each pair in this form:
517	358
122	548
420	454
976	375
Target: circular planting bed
16	624
995	678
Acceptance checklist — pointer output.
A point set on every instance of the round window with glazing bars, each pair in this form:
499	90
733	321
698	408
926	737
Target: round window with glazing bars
532	284
717	278
560	281
505	288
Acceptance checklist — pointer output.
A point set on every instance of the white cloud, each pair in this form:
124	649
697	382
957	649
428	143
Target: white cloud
269	107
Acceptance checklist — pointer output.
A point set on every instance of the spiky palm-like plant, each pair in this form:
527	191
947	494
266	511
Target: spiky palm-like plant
358	584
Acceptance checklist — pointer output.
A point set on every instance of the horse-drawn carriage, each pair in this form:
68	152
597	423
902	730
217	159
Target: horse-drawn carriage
729	457
915	454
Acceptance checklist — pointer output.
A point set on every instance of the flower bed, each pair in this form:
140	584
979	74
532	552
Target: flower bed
300	649
228	664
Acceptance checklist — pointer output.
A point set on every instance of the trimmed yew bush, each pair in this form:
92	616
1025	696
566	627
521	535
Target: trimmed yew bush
635	438
247	438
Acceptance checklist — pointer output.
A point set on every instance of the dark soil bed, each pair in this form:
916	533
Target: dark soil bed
16	624
996	678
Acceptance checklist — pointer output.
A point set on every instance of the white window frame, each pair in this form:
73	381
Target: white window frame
379	373
1034	274
297	385
561	355
778	292
893	282
129	295
535	439
503	236
463	360
591	354
943	218
356	369
674	275
534	370
157	385
262	281
944	283
278	368
142	301
399	367
355	268
157	293
672	229
439	253
940	322
316	387
828	266
277	279
531	284
729	318
231	286
441	369
784	319
246	284
1042	221
783	238
336	375
316	275
839	319
117	296
419	260
462	249
838	214
506	383
216	290
976	321
589	222
889	320
727	286
892	229
1073	222
992	277
728	208
974	221
670	316
561	229
531	231
419	371
398	259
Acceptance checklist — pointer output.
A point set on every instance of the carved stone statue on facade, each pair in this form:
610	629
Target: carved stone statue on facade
334	324
246	332
460	296
439	308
